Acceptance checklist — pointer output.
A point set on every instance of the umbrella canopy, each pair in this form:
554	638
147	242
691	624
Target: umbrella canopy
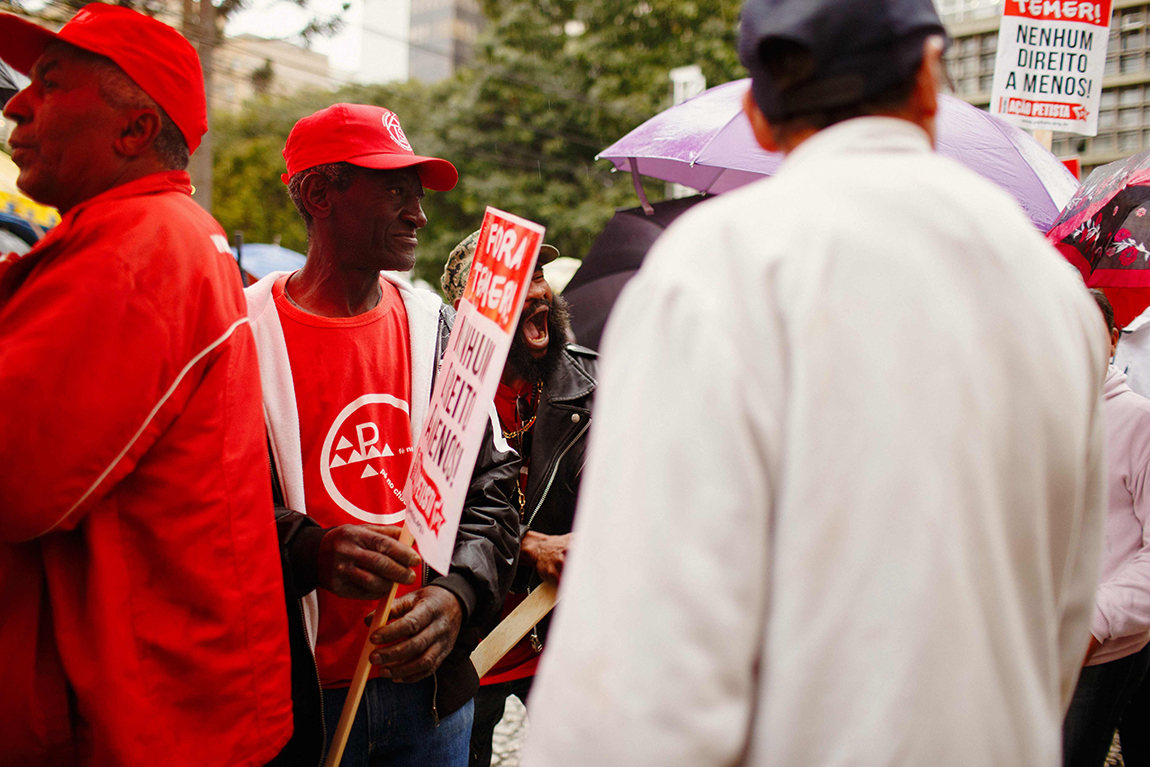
261	259
11	82
1105	232
706	143
614	258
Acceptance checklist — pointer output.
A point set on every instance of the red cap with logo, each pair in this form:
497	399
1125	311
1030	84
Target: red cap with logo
365	136
156	57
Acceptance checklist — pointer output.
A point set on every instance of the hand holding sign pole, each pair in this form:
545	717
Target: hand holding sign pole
460	409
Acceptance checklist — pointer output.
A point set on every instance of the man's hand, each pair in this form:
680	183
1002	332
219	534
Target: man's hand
546	553
423	630
362	561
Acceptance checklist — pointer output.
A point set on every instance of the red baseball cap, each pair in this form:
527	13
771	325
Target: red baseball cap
366	136
156	57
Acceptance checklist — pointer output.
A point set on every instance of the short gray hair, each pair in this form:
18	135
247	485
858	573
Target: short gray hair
118	90
338	174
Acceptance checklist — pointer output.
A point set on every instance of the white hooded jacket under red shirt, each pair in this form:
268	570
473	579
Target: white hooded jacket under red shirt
143	612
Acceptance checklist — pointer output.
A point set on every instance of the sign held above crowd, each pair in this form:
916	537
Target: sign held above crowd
437	484
1050	63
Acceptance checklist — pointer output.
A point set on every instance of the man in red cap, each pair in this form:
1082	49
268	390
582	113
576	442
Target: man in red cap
348	357
144	620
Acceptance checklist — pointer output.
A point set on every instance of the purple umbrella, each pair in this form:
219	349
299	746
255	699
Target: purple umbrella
706	143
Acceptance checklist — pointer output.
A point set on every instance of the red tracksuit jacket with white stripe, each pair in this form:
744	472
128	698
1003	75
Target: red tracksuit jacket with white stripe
142	608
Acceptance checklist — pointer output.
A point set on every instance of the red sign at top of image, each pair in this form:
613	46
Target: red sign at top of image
1085	11
502	266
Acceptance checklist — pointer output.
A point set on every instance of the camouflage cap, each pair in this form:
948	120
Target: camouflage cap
454	279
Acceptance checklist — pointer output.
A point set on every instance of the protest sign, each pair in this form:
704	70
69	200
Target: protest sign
1050	62
449	442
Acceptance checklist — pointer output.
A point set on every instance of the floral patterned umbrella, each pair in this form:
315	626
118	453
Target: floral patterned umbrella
1105	232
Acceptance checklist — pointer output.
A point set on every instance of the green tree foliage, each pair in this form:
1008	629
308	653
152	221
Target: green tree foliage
553	83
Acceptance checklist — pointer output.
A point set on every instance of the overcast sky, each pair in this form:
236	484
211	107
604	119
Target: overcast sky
283	18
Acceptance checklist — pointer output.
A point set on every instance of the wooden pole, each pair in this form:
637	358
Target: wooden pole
1045	137
514	627
359	681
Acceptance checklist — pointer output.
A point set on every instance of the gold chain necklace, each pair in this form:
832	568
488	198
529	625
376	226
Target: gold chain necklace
527	426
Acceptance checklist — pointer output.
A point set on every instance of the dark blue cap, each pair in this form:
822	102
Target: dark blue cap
859	48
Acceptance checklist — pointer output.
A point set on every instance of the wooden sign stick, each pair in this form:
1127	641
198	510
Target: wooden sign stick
514	627
359	681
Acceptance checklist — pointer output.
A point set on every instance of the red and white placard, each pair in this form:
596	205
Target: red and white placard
460	408
1049	66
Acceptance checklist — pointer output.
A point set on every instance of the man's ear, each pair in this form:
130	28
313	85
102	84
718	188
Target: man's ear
315	195
928	79
764	134
141	127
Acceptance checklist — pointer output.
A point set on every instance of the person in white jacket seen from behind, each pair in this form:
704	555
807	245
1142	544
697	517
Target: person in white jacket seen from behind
1119	653
842	508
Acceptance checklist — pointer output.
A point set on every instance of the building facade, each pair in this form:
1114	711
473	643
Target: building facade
1124	113
247	66
384	52
442	37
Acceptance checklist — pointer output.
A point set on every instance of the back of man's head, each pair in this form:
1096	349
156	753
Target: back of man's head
814	63
1104	307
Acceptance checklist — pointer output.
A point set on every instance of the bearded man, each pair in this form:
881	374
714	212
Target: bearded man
544	403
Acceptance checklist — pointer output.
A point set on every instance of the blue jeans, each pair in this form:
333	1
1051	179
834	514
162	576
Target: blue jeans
1100	700
395	726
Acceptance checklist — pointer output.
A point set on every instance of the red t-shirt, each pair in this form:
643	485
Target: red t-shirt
352	378
521	660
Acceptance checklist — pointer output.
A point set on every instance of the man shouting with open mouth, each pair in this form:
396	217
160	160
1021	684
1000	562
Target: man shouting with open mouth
544	403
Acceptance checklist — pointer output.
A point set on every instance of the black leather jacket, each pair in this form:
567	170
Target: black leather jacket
558	451
482	567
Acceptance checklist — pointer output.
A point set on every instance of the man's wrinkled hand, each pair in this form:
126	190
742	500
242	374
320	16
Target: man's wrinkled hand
421	633
547	553
362	561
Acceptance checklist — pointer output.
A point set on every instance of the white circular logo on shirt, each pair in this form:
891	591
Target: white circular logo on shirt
391	122
357	454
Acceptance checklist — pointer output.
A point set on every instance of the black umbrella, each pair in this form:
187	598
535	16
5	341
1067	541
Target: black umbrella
10	83
614	258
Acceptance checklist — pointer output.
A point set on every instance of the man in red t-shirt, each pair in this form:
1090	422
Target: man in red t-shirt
544	402
348	357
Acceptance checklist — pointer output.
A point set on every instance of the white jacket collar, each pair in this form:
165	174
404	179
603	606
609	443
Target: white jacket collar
860	134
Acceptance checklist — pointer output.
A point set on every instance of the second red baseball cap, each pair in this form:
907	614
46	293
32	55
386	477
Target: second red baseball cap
156	57
366	136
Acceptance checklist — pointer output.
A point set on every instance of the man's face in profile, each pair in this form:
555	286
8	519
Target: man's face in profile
65	129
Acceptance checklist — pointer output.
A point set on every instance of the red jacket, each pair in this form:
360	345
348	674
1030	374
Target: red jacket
140	585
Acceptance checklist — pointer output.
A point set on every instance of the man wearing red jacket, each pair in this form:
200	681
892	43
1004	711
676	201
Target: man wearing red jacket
144	619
